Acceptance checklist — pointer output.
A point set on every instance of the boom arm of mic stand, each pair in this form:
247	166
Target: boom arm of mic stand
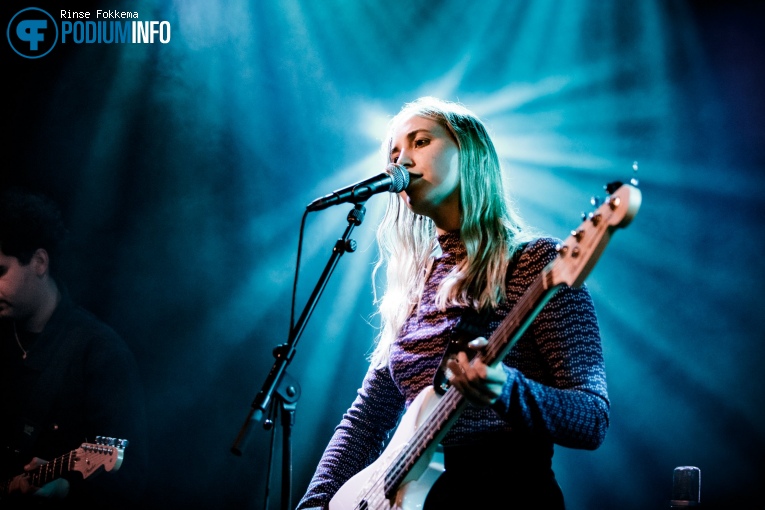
284	355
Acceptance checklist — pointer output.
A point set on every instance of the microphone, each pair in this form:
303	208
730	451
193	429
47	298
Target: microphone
394	179
686	487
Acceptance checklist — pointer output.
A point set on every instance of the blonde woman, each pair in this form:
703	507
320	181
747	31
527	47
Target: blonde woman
456	260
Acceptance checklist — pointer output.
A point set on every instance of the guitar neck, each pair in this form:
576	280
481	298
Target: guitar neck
48	472
517	321
54	469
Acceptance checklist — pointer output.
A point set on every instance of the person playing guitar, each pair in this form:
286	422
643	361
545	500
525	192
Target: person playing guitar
66	377
458	261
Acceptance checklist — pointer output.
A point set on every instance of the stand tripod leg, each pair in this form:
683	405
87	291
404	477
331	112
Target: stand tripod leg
288	420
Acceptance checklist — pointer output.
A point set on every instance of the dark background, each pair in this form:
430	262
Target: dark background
183	171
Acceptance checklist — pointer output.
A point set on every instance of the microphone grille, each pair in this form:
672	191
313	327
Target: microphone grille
686	485
400	177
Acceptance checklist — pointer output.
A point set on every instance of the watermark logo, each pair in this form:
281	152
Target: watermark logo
32	33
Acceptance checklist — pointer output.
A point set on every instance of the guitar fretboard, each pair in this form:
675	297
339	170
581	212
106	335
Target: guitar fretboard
56	468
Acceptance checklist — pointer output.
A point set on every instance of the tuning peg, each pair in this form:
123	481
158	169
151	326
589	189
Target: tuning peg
595	201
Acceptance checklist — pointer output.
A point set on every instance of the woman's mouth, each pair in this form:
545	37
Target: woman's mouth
412	178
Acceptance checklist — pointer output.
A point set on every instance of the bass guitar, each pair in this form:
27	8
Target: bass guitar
403	475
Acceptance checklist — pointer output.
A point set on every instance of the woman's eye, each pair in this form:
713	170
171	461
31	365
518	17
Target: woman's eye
420	142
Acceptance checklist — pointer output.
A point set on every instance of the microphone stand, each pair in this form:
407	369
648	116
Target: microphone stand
279	385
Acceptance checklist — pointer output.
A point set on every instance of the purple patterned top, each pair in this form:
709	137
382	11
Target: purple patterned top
556	377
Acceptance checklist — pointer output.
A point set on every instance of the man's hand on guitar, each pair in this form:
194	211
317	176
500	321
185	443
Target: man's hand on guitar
21	484
481	384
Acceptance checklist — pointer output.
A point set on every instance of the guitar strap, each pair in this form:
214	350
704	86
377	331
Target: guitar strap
471	325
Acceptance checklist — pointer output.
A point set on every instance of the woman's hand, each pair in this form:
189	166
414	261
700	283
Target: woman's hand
481	384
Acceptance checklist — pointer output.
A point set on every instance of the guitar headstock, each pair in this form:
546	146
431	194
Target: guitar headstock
106	452
578	254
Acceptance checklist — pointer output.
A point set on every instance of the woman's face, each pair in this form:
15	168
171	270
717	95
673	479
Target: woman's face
431	156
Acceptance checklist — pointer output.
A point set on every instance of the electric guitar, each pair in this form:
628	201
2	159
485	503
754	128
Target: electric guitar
106	452
408	467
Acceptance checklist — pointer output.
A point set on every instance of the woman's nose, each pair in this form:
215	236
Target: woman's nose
403	159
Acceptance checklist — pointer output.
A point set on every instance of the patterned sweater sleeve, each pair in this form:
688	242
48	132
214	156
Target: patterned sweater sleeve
559	391
359	439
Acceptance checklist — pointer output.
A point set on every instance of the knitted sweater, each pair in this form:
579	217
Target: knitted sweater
555	390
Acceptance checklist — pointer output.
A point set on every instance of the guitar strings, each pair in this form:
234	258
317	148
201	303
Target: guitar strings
53	469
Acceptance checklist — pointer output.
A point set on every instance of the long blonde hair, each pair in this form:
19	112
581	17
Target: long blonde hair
490	229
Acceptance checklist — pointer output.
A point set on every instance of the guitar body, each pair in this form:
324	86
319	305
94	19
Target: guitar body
361	491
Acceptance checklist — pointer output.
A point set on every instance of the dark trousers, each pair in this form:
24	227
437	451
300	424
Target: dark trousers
503	473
